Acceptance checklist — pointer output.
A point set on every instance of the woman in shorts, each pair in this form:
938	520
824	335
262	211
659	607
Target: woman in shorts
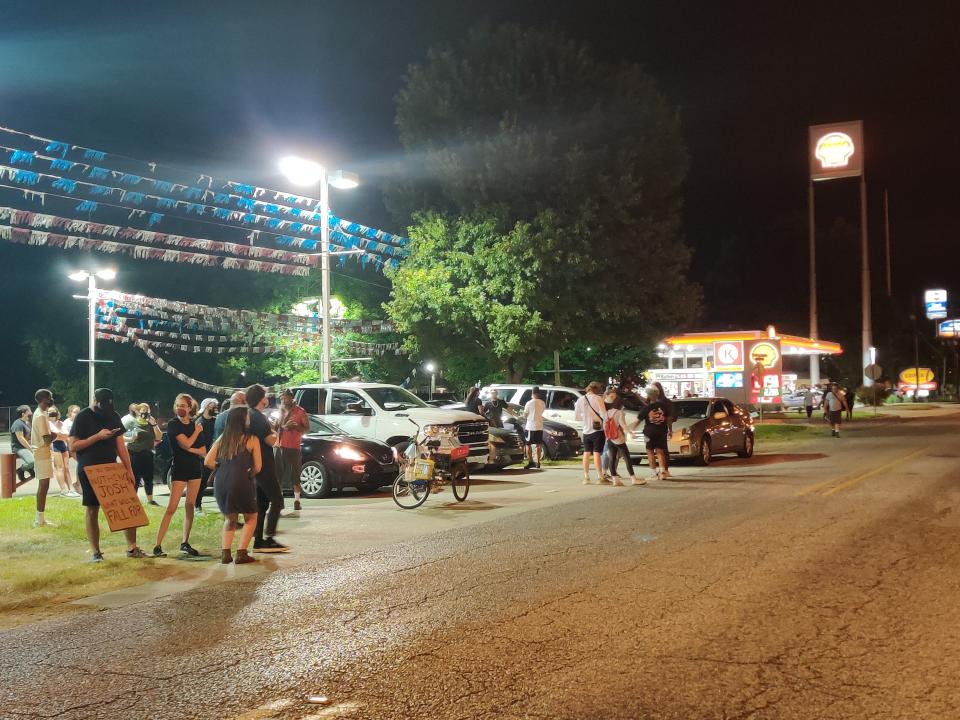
186	441
656	430
61	453
235	458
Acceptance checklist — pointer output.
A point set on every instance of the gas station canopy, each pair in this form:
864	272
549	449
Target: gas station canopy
791	344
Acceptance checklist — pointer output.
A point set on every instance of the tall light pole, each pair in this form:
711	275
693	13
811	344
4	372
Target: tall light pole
91	298
432	369
306	172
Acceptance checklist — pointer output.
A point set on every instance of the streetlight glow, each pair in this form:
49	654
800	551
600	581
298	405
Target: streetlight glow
430	367
78	276
300	171
343	180
107	274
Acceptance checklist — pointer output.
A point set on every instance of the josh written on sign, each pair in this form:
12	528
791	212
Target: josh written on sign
117	496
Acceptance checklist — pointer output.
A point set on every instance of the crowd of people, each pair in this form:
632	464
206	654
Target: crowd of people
834	401
233	448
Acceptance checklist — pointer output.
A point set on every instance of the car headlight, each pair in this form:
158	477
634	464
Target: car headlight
685	434
435	430
349	453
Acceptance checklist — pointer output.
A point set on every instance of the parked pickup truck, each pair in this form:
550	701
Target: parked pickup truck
383	412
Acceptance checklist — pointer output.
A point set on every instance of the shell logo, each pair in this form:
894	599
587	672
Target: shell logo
764	354
834	150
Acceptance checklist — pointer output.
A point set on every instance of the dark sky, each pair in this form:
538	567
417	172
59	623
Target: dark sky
227	87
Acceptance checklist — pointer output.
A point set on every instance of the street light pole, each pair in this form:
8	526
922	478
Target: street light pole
325	370
92	336
814	329
865	282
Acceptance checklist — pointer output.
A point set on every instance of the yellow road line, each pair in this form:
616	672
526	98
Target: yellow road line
860	478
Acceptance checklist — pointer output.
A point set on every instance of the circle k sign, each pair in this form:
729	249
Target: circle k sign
728	356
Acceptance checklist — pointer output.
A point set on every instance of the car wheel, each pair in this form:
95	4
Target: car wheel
314	480
747	451
706	452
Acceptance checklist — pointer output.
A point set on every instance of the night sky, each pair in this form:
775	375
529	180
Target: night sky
227	87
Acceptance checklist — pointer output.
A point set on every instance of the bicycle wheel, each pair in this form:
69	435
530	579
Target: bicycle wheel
412	494
460	482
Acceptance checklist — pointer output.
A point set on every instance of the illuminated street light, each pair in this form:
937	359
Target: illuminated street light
91	298
431	368
300	171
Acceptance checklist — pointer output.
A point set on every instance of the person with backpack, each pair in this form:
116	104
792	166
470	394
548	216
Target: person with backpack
656	430
834	405
590	411
615	430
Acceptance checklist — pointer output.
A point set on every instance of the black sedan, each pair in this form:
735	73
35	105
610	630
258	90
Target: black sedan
560	441
333	459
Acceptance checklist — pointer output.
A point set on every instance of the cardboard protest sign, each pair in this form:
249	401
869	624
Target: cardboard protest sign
117	496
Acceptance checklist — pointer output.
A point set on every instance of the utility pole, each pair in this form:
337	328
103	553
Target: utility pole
865	282
886	243
814	329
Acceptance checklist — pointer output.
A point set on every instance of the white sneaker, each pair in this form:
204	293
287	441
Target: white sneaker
586	479
654	475
617	482
43	523
637	481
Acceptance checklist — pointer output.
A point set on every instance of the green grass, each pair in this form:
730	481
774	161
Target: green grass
779	432
42	567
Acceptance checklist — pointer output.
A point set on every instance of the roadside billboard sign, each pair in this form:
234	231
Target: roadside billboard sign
836	150
935	303
949	328
909	376
728	356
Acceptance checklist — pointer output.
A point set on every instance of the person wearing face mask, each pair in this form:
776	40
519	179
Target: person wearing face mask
96	438
186	441
207	420
141	439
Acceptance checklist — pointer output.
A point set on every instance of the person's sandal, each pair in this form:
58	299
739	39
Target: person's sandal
136	553
243	557
226	557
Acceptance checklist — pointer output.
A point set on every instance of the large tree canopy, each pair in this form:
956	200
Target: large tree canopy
545	201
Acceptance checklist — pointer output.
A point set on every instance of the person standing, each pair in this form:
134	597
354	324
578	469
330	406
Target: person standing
616	444
235	458
20	431
291	426
41	438
533	428
95	439
238	399
850	398
656	430
141	440
207	420
591	412
671	415
494	408
67	426
60	453
269	495
808	401
472	401
130	419
833	404
186	443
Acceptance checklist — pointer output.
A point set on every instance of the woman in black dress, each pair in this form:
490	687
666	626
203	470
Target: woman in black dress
186	441
235	456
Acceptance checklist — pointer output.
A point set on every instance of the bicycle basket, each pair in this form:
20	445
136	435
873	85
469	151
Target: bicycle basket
423	469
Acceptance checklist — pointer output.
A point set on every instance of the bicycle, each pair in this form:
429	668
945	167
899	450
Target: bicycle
429	464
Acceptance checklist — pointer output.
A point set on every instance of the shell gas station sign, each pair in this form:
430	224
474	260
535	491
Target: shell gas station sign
836	150
766	384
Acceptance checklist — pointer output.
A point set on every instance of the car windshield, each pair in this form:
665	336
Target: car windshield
394	398
696	409
320	427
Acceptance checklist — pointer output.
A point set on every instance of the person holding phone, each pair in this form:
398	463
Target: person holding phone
141	438
186	441
96	439
41	438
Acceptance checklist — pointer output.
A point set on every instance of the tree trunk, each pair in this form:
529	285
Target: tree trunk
516	370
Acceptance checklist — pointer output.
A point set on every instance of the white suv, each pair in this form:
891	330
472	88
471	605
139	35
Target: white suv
384	412
560	403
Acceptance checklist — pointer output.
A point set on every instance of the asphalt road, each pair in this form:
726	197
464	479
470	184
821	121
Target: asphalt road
820	583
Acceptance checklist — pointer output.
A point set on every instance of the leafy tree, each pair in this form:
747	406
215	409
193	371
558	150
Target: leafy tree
545	204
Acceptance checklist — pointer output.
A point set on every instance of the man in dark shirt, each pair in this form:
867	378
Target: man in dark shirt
97	439
269	495
493	409
20	430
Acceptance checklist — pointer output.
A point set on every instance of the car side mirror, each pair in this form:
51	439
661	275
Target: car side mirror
719	415
358	409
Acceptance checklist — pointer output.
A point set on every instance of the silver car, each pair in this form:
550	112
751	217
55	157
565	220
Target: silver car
706	427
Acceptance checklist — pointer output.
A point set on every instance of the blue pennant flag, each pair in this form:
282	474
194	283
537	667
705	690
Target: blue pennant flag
135	197
26	177
87	206
245	204
222	213
221	198
248	218
100	190
130	178
163	186
195	208
273	223
273	209
244	189
309	244
93	155
99	173
154	219
21	157
65	185
193	193
166	203
295	212
56	146
58	164
296	227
